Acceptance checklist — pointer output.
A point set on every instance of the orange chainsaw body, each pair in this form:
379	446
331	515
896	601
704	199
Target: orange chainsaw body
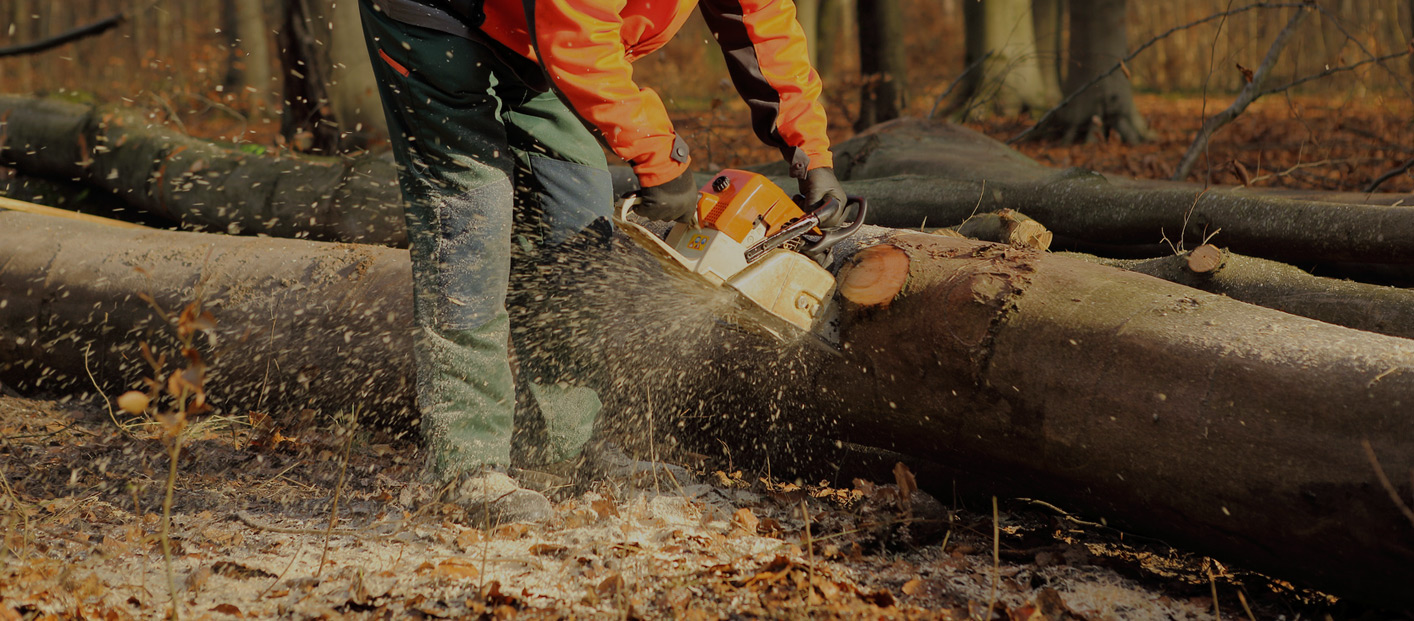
745	199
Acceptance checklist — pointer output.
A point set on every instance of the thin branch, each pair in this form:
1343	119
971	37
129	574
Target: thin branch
1334	70
1147	44
1401	169
96	28
965	72
1250	92
1385	482
1349	36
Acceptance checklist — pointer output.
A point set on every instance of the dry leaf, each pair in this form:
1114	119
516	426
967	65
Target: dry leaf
549	549
745	520
605	508
912	586
512	531
1246	73
467	539
455	569
133	402
228	609
610	586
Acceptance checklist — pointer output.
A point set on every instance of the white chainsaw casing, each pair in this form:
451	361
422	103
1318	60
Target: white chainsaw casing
712	253
788	284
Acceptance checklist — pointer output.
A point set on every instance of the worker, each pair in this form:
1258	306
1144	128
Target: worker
495	112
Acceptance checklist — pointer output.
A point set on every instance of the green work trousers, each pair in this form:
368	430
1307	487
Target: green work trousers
496	175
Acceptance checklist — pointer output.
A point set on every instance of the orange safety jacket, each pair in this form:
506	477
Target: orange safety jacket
586	47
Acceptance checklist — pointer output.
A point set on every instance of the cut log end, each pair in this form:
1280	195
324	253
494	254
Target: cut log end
875	275
1007	226
1205	259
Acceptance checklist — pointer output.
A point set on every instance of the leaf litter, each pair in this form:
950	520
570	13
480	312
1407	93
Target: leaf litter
81	504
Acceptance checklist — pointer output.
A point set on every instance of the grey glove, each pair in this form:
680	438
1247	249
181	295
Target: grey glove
820	185
674	200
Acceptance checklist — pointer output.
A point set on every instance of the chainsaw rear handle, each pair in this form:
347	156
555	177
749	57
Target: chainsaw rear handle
819	249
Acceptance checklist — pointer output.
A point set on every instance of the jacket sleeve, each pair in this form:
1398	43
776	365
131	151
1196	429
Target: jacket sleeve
580	46
766	56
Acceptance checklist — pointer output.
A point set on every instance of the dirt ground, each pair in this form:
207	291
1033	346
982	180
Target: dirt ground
82	496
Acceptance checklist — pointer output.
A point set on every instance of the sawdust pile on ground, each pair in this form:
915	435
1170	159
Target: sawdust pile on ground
81	505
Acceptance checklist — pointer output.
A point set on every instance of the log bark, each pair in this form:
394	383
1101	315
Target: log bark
1233	430
1384	310
201	184
298	324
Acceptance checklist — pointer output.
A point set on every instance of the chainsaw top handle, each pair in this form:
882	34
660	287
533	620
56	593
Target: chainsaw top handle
819	249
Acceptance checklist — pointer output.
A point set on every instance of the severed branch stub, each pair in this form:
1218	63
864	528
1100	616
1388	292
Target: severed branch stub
1007	226
874	276
1205	259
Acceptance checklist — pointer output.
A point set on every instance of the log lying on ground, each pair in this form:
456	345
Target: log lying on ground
1385	310
918	173
205	185
299	324
1233	430
1225	427
199	183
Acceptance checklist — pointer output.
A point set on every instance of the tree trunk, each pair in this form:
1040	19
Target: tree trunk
835	18
882	63
1049	26
1001	38
249	72
200	184
1383	310
1098	40
1232	429
331	98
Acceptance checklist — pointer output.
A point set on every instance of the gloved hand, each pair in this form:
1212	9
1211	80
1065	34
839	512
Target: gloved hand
819	185
674	200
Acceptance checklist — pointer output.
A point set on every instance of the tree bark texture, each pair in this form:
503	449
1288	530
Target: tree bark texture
199	183
1231	429
249	72
1372	308
882	62
917	173
1048	24
1010	80
298	324
1098	40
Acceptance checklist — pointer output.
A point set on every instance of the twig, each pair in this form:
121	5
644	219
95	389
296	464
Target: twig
361	533
96	28
338	490
1334	70
1212	582
958	80
1349	36
1250	92
1397	171
1243	598
280	577
1147	44
1385	482
996	559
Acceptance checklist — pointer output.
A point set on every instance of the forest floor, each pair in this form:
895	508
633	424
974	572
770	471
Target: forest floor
250	537
81	490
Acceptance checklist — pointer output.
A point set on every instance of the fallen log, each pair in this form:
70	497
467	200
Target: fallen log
919	173
1218	425
1373	308
200	184
299	324
1233	430
916	173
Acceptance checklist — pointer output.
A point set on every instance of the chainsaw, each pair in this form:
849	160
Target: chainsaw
748	235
